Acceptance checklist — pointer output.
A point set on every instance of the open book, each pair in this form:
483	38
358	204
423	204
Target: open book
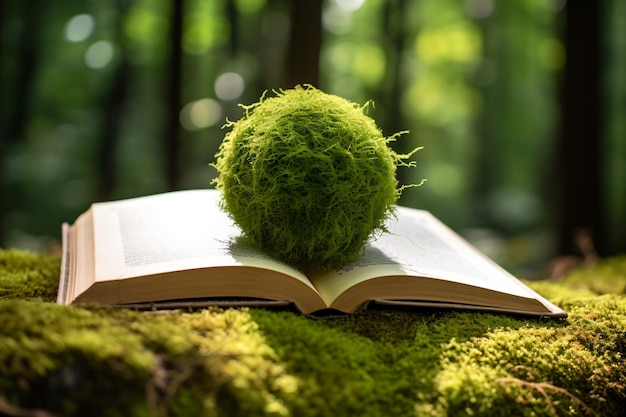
180	248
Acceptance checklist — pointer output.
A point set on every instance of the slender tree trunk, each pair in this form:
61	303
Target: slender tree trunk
271	47
19	85
579	148
304	42
394	25
392	120
114	108
172	146
111	130
614	38
233	18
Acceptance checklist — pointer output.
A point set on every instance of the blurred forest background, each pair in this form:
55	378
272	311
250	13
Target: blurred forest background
520	105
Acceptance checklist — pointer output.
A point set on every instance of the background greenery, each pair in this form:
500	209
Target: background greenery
112	99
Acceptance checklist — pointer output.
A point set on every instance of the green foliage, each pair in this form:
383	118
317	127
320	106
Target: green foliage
308	177
97	361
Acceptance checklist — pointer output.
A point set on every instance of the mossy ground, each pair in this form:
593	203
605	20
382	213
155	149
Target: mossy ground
98	361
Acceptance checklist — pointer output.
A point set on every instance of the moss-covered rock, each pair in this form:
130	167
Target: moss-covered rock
99	361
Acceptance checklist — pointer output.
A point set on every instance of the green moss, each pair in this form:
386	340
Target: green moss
608	276
572	368
308	177
454	363
68	360
25	274
76	361
114	362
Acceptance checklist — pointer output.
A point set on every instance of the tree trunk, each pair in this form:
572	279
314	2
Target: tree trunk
394	26
579	148
19	85
173	98
111	130
114	108
304	42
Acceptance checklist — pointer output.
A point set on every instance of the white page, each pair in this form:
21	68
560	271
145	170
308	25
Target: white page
420	245
169	232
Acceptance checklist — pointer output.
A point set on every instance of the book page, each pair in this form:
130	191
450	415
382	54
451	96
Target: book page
82	263
419	245
170	232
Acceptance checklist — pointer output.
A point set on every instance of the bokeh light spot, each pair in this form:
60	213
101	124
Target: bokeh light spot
350	5
80	27
229	86
99	54
479	9
336	20
200	114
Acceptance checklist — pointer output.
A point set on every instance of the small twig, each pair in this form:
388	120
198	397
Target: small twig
527	369
165	383
7	409
588	255
178	378
584	242
542	388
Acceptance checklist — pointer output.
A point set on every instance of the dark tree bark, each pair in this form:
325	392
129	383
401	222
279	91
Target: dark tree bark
233	19
394	25
304	42
18	85
173	98
579	148
28	57
271	45
114	107
111	128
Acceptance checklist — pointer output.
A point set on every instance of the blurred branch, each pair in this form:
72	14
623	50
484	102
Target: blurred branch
9	410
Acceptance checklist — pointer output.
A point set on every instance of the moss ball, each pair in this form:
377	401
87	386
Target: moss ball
308	177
